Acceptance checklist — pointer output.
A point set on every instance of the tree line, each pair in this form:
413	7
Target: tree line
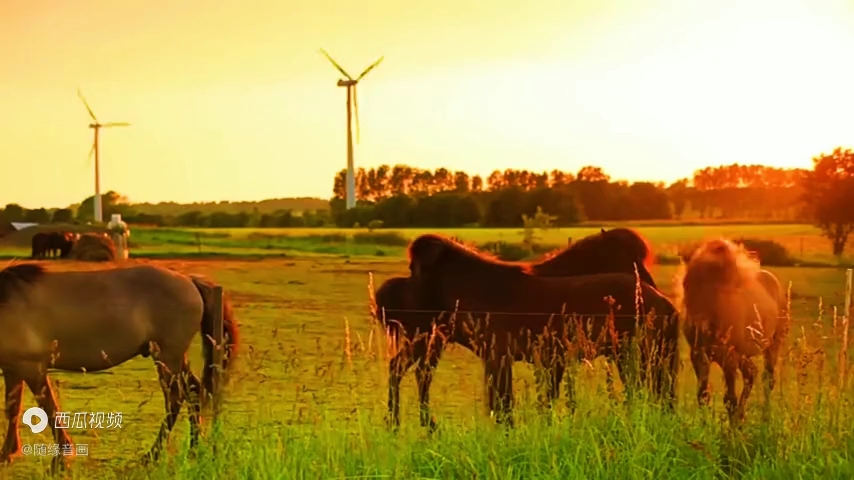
404	196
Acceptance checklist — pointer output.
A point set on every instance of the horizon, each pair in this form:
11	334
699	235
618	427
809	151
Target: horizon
230	103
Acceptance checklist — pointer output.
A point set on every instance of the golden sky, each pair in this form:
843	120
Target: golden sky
231	99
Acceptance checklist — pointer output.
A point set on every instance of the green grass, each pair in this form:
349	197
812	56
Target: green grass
300	406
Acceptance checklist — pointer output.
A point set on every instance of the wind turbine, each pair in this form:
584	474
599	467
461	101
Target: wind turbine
97	126
350	84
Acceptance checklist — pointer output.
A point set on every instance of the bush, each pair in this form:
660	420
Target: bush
387	239
375	225
510	252
94	248
768	252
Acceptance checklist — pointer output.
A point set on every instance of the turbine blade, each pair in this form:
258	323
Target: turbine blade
371	67
340	69
91	154
356	112
116	124
86	104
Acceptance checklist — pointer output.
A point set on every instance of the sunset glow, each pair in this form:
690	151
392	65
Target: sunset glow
231	100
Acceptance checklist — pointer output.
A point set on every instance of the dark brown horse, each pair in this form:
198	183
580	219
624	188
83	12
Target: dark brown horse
620	250
733	311
509	314
53	244
94	320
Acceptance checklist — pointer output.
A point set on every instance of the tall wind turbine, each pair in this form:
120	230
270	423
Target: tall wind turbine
350	84
96	127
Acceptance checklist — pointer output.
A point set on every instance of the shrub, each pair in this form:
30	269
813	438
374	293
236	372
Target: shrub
769	252
510	252
94	248
375	225
387	239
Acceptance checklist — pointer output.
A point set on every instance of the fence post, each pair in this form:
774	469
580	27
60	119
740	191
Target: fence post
846	321
218	348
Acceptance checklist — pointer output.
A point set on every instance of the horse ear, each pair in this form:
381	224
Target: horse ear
602	228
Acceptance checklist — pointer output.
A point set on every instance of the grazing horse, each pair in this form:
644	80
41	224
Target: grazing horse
733	311
40	245
620	250
519	309
94	320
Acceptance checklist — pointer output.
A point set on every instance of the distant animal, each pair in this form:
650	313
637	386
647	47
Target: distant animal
41	242
53	244
732	310
94	320
505	313
620	250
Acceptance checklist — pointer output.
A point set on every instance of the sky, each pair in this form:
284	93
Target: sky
232	100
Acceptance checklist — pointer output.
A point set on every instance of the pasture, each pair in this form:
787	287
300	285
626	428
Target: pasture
308	399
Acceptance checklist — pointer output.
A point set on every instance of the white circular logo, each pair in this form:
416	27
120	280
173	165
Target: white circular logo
39	415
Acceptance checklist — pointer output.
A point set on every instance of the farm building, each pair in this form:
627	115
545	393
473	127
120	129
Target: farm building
8	227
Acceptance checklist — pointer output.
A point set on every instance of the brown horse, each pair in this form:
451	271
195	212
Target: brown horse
92	321
620	250
733	311
512	315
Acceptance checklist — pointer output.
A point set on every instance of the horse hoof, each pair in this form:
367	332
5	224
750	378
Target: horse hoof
150	457
432	426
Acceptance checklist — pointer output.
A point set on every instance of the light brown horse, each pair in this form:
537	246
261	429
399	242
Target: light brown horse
732	311
94	320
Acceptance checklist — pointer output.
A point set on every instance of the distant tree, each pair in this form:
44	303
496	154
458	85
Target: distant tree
111	202
62	215
14	212
38	215
828	191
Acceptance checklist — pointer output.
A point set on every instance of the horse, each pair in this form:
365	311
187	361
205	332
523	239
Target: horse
518	306
733	310
94	320
61	243
619	250
40	245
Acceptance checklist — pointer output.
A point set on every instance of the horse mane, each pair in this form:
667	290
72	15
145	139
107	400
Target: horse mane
458	256
602	242
717	263
12	278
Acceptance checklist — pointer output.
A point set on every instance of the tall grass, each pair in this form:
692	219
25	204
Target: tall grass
806	432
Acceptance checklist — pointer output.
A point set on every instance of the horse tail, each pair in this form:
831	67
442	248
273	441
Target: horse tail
230	336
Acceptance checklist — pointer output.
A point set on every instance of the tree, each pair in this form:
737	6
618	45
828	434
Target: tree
111	202
62	215
828	191
14	212
38	215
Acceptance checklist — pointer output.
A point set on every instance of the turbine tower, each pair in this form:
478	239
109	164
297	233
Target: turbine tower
352	105
96	127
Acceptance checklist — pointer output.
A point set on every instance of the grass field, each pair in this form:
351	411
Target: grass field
309	396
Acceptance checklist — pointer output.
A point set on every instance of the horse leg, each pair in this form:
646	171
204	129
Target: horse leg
43	392
702	366
397	367
169	373
730	367
424	379
771	355
193	387
498	373
748	375
14	392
